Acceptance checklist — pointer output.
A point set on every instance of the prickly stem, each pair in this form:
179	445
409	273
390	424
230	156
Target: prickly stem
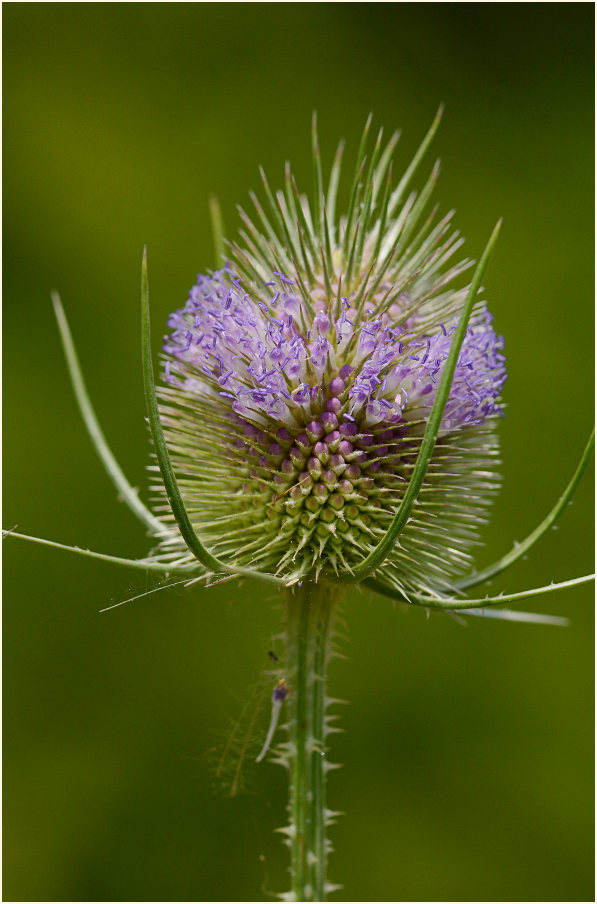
310	613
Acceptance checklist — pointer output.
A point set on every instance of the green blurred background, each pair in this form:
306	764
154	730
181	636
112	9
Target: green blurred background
468	765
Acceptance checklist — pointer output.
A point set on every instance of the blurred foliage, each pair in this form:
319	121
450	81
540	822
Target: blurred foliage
468	753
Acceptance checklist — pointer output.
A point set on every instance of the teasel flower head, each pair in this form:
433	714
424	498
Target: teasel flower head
299	378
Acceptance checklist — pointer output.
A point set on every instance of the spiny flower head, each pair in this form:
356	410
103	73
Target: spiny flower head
299	379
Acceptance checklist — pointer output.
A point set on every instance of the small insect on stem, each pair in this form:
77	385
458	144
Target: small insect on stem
278	697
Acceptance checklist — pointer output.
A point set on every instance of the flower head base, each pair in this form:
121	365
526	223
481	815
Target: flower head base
299	381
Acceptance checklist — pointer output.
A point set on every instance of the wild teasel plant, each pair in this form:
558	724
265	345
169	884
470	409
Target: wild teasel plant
327	418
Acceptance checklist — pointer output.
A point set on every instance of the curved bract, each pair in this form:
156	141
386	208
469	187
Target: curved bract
125	491
196	547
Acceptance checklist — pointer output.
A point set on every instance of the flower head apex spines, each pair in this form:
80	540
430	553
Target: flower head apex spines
299	377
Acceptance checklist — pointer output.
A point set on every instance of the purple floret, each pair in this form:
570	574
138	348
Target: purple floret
283	363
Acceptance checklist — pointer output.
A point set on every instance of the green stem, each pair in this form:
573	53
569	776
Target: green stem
310	612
